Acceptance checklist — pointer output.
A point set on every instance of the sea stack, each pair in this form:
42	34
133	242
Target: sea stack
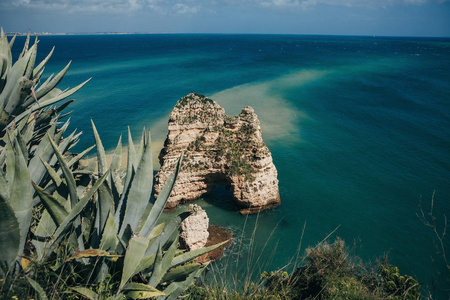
218	150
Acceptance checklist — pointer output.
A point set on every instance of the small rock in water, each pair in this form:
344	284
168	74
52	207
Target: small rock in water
194	229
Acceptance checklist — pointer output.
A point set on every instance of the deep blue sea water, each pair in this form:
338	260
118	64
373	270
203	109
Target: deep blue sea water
358	128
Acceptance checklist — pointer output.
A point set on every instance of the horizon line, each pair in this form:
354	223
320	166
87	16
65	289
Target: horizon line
218	33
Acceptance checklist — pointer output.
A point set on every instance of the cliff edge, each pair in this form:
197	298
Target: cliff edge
218	150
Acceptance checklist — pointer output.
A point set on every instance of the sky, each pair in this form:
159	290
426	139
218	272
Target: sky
329	17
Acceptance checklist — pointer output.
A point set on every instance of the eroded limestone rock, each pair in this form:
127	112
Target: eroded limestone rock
194	229
218	150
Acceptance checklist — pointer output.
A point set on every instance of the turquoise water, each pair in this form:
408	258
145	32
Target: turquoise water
358	128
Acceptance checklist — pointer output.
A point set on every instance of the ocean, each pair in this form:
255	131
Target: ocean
358	128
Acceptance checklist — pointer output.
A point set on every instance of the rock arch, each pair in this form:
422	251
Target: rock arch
219	150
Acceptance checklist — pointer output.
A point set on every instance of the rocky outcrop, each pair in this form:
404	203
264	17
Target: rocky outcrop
218	150
194	229
217	235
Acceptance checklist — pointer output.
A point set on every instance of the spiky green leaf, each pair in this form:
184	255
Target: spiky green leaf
70	180
180	273
176	288
101	155
135	253
37	288
52	205
164	265
160	203
9	235
21	198
109	236
85	292
140	191
188	256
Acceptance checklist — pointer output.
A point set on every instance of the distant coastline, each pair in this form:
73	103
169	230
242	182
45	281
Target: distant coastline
79	33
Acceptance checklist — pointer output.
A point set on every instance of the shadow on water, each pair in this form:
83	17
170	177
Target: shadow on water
222	198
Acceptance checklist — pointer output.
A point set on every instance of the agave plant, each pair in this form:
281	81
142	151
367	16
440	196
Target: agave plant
21	93
120	228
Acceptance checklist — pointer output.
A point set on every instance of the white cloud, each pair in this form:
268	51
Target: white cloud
185	9
305	4
195	6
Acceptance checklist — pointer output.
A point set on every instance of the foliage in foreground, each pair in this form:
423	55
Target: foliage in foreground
327	272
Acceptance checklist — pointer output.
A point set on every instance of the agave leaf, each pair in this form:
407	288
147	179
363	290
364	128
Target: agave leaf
6	58
17	84
109	235
115	179
61	131
142	144
64	115
70	180
169	230
101	155
119	296
104	203
92	253
176	288
85	292
44	151
64	106
31	61
37	288
164	265
116	160
132	151
76	158
160	203
76	210
124	240
52	205
41	66
43	234
88	195
25	46
180	273
135	253
4	188
157	230
146	264
156	270
11	42
140	191
133	286
21	196
144	294
23	147
53	174
51	84
121	206
9	235
49	78
10	159
28	135
48	102
188	256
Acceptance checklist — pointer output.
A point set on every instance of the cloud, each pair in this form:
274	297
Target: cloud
307	4
76	6
193	6
185	9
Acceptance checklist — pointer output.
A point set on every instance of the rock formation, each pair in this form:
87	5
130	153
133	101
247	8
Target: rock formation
218	150
194	229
